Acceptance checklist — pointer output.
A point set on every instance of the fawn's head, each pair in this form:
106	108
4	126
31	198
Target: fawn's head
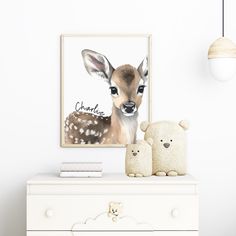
126	82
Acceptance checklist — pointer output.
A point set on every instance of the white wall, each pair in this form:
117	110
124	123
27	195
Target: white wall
182	88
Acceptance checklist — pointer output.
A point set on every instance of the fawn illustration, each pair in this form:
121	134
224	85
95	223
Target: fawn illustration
126	85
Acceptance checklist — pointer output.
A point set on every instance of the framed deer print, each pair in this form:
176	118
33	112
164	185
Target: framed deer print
105	89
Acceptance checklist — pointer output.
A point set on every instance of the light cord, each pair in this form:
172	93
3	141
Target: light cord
223	18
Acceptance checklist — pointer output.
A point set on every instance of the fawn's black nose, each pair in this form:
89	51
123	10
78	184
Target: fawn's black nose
166	145
129	107
135	154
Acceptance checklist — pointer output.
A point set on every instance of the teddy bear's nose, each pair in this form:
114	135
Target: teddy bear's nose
166	145
134	153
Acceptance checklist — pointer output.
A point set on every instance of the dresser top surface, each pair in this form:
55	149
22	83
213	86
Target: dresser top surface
108	178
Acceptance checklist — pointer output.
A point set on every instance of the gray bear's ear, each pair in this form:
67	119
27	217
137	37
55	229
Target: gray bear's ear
184	124
144	125
150	141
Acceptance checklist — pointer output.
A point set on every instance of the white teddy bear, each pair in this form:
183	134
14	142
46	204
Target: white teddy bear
138	161
169	146
115	210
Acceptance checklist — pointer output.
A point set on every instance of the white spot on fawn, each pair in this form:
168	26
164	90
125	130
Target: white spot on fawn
76	140
71	136
82	141
81	130
66	128
79	120
105	131
92	132
89	122
67	122
87	132
71	125
95	122
75	127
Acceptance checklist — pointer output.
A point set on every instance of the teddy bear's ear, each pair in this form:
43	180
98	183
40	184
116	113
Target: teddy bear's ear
184	124
150	141
144	125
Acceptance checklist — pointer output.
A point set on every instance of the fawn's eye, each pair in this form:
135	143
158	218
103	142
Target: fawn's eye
161	140
171	140
114	90
140	89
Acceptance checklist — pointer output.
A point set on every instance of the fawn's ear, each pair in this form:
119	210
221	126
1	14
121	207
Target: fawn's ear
143	69
144	125
97	65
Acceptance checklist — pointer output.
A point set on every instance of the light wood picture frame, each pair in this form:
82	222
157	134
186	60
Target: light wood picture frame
105	88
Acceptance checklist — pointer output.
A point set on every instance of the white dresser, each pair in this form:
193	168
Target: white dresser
157	206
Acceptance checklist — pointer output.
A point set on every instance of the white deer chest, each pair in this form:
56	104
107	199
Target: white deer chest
114	205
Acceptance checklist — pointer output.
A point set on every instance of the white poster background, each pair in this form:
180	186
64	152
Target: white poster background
80	86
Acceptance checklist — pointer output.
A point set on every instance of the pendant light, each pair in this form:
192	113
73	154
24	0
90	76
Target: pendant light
222	56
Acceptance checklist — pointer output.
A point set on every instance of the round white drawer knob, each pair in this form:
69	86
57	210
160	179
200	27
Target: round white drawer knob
49	213
175	213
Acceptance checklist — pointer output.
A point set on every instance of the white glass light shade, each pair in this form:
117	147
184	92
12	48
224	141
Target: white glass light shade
223	69
222	59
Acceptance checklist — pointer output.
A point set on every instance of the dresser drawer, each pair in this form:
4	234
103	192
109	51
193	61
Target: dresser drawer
163	233
89	212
